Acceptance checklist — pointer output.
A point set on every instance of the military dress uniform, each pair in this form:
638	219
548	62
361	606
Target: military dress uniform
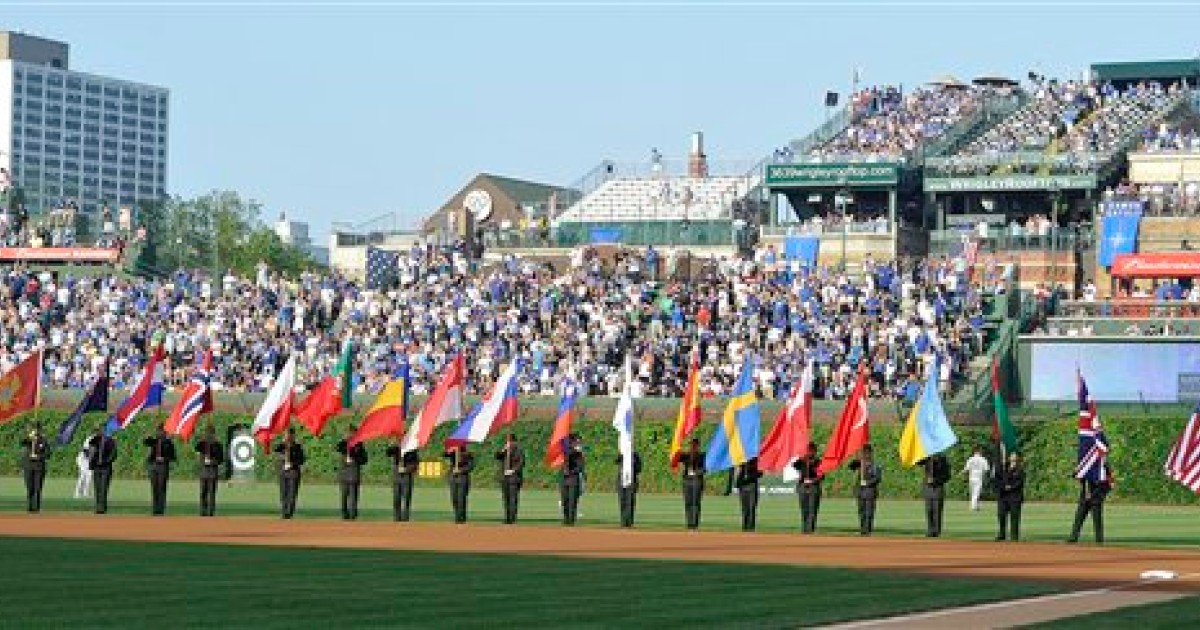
627	495
159	458
693	487
291	464
35	449
212	455
571	485
1091	501
1010	494
350	476
511	473
103	452
462	462
808	487
867	493
747	486
937	473
404	470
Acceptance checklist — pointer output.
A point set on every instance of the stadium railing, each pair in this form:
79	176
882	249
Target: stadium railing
1127	308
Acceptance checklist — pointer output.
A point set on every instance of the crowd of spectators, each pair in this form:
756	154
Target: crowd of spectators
887	123
1159	199
582	320
1165	137
59	227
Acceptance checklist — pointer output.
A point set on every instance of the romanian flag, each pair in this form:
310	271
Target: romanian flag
689	410
20	387
736	439
562	424
928	430
386	417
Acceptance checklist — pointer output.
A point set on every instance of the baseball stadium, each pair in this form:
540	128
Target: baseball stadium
933	362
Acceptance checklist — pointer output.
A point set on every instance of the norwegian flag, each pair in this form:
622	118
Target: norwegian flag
1183	464
1093	446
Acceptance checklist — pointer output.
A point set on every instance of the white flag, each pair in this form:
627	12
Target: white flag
623	423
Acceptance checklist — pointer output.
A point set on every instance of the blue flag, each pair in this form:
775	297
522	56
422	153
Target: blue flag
96	399
736	439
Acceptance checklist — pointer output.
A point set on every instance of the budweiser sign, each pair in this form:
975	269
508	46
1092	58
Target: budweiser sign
1157	265
59	254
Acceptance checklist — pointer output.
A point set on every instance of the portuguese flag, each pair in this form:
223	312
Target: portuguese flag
330	397
1003	431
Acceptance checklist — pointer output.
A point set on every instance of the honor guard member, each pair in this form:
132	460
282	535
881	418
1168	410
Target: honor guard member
462	462
747	487
1010	494
404	470
1091	501
693	483
937	473
353	458
160	456
103	451
511	472
211	453
291	461
627	495
808	487
34	451
867	490
571	483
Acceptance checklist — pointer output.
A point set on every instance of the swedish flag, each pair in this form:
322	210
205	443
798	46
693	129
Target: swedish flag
736	439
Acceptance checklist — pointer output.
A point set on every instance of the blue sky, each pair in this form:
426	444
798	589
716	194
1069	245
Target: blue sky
343	113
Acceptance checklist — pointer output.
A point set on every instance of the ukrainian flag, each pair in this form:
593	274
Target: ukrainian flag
927	431
736	439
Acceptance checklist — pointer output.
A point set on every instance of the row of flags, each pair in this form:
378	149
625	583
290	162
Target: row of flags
736	440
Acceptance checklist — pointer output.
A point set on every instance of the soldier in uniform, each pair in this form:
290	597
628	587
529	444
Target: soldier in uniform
1091	501
103	451
1010	494
511	472
867	491
462	462
404	467
571	484
627	495
350	474
291	461
212	454
34	451
159	458
693	483
937	473
747	486
808	487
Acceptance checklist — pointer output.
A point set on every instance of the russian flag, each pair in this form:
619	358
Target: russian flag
497	409
562	424
148	392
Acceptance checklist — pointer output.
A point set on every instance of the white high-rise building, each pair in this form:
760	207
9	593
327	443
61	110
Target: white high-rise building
72	135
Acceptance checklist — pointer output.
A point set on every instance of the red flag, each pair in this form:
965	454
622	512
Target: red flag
853	428
442	406
195	400
689	410
789	438
562	426
321	404
20	387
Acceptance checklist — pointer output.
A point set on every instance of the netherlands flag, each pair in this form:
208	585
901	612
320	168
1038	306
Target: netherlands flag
148	392
496	410
196	399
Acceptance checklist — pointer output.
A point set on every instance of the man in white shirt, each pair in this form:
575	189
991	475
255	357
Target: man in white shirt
977	466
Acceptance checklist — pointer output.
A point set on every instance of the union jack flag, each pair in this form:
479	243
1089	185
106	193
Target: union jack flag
196	399
1093	446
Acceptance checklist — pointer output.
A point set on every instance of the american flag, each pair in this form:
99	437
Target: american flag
382	268
1183	464
1093	446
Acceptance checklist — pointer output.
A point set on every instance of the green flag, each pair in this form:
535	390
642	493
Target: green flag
1002	428
344	372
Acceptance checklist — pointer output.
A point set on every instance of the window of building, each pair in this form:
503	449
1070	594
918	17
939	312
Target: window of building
54	95
34	77
74	83
92	88
91	115
74	112
90	155
129	108
54	80
112	92
111	106
33	91
74	99
128	122
53	149
92	101
33	119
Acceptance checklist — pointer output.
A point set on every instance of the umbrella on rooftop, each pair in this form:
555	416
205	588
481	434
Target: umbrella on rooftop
995	80
948	81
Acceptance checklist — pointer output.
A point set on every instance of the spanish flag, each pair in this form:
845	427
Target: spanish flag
20	387
736	439
386	417
928	431
689	410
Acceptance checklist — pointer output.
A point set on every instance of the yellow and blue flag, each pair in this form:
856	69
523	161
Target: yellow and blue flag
736	439
927	431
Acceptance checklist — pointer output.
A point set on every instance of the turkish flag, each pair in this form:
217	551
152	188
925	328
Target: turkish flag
19	387
853	428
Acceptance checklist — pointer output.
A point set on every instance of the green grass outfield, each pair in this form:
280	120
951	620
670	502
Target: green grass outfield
1180	613
68	583
1131	525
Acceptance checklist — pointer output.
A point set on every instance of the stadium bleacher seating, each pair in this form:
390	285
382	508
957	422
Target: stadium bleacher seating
659	198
